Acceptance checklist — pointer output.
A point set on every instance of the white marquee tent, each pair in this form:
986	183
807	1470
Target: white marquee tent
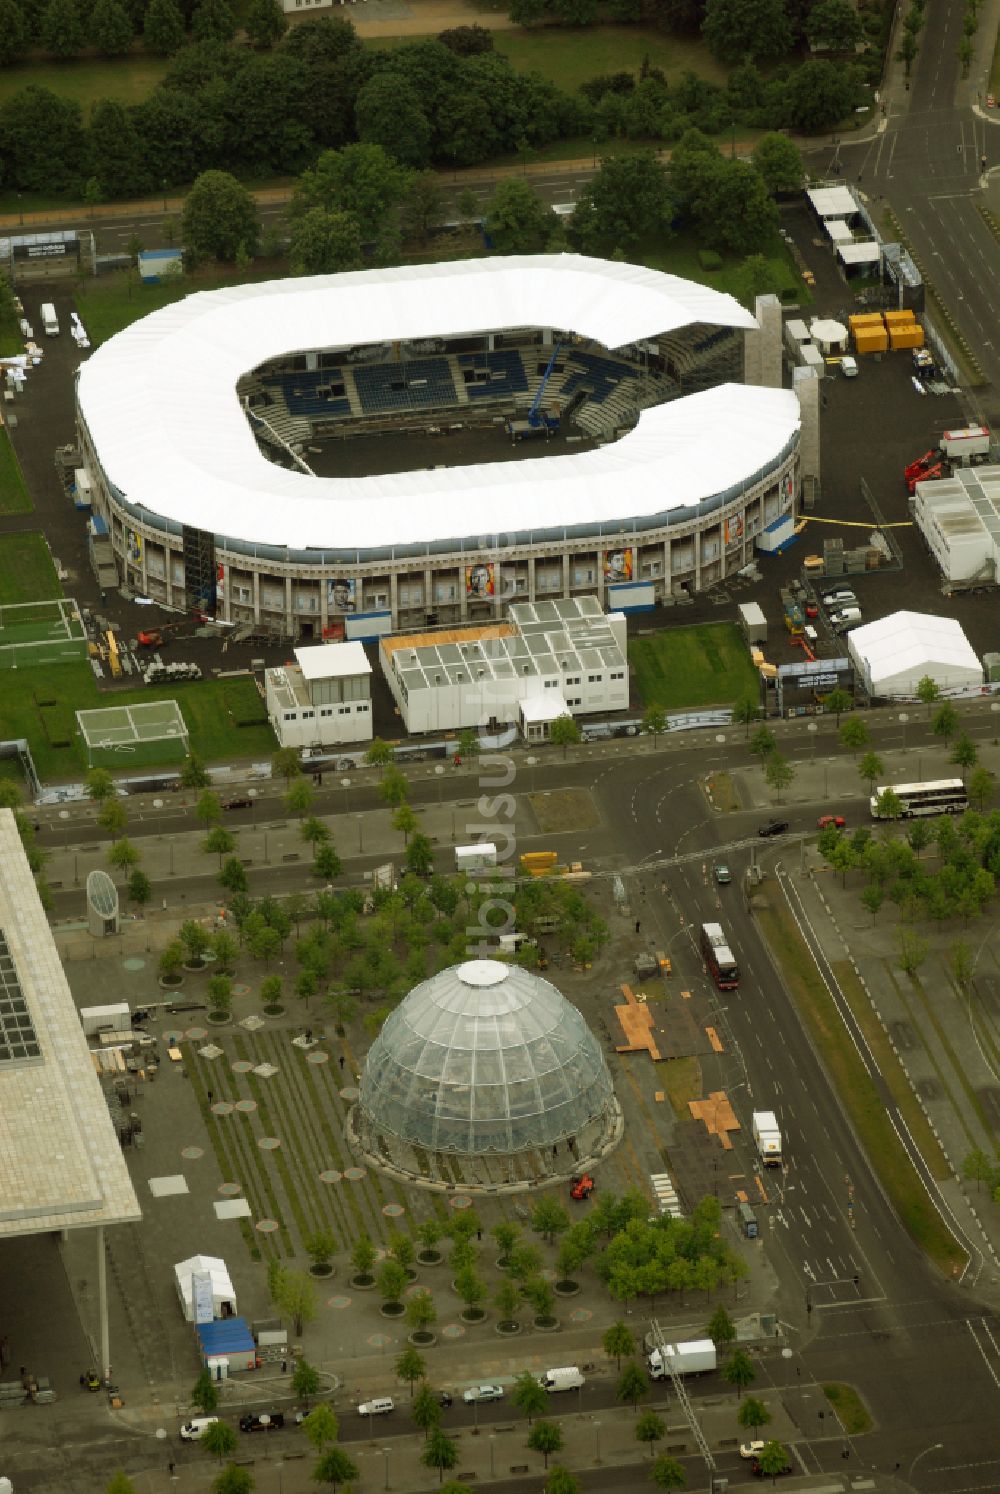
223	1292
894	654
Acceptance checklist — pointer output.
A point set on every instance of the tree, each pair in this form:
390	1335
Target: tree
112	817
650	1428
633	1384
220	991
928	692
265	23
392	1282
618	1342
872	898
773	1458
740	29
778	772
306	1380
389	112
193	774
423	206
299	797
549	1219
425	1408
393	788
541	1294
738	1370
779	162
889	806
194	939
233	1480
964	754
506	1236
285	764
361	179
833	25
564	732
119	1483
871	768
979	1168
507	1301
123	855
654	722
420	1313
472	1289
853	734
405	820
233	875
326	863
99	784
667	1473
419	855
335	1467
320	1426
13	38
163	30
529	1395
517	220
205	1394
945	721
170	961
110	28
61	31
410	1366
913	950
219	1438
439	1452
546	1438
753	1414
837	702
323	242
140	889
981	787
320	1246
720	1328
313	831
218	842
208	810
296	1296
213	20
627	200
220	216
745	713
363	1257
763	742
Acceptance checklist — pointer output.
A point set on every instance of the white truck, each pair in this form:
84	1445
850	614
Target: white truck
569	1377
695	1357
767	1137
50	322
968	441
475	858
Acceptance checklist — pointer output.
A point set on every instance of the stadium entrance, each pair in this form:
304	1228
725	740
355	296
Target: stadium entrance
58	255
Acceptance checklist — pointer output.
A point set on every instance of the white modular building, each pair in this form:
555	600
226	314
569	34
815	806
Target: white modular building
895	653
323	699
959	517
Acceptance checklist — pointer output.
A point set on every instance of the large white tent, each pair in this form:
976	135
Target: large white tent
214	1268
159	402
895	653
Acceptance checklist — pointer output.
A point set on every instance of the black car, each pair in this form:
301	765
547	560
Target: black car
262	1421
443	1399
773	827
237	803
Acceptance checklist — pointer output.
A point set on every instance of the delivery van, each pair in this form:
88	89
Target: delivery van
567	1378
50	321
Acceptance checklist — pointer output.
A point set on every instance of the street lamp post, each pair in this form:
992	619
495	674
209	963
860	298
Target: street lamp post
345	784
361	841
903	718
597	1441
934	1447
385	1453
493	1455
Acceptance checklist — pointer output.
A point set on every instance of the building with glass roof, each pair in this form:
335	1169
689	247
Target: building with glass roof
488	1064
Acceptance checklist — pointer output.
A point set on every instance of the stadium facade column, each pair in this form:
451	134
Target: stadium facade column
429	598
668	580
289	619
805	385
394	597
256	595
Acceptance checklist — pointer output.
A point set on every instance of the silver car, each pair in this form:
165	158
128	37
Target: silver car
483	1393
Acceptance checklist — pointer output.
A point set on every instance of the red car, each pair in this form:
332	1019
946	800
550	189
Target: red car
582	1187
831	822
812	610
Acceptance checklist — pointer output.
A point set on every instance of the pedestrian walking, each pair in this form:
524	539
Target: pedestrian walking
637	925
342	1060
210	1097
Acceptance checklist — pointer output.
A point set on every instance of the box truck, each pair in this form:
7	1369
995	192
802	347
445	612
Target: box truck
50	321
696	1357
475	858
567	1378
767	1137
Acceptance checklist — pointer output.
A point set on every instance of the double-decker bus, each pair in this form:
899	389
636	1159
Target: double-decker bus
945	796
719	957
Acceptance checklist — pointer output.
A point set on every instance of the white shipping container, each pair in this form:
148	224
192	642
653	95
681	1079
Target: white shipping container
116	1018
475	858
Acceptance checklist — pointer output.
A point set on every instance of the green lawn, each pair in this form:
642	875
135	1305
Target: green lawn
26	570
128	80
707	665
209	710
679	256
14	497
852	1413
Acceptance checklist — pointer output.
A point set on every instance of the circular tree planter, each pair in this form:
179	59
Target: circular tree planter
545	1325
171	982
429	1257
421	1339
193	966
392	1309
508	1329
473	1315
218	1019
567	1288
362	1283
323	1269
273	1009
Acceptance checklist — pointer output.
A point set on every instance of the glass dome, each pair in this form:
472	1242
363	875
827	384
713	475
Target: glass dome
483	1058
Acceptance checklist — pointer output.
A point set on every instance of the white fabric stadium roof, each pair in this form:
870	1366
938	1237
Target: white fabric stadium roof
161	406
894	653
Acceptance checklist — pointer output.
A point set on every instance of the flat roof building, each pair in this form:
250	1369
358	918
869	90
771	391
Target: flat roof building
323	699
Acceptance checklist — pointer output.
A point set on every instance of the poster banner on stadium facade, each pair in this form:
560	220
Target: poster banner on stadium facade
220	584
133	547
732	529
342	596
480	580
618	565
788	485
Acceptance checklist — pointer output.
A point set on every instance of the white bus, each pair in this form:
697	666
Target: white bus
945	796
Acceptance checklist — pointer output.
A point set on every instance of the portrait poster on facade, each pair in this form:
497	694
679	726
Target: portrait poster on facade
341	596
133	548
480	580
618	565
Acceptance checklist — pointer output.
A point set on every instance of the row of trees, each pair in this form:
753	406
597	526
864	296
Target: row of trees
66	28
223	107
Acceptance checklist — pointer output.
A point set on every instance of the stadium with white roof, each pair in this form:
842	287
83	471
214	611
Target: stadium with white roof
203	426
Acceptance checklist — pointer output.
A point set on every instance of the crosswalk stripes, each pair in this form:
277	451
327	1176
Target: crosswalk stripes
666	1194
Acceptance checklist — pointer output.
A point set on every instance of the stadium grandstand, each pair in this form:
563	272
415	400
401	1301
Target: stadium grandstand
549	426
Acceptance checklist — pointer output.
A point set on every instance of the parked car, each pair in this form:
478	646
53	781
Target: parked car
845	619
751	1449
237	803
722	874
192	1430
831	822
773	827
379	1407
444	1399
811	609
483	1393
839	596
262	1421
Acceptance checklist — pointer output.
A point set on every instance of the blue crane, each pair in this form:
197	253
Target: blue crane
534	418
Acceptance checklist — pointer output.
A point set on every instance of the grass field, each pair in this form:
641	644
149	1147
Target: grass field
209	709
858	1094
26	570
14	497
127	80
707	665
852	1413
680	257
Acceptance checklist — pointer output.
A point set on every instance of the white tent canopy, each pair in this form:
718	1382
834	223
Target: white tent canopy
832	202
159	401
223	1293
894	654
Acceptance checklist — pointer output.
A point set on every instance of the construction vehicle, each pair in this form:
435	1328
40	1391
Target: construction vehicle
795	619
926	468
537	422
156	637
923	364
581	1188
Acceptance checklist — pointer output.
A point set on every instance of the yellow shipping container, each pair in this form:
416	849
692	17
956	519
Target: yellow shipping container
871	340
906	337
899	318
865	319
